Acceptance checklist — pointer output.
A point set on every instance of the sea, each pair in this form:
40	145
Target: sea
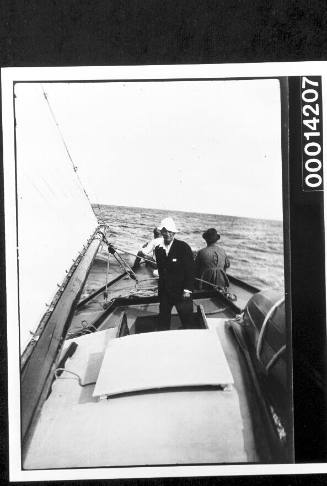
254	246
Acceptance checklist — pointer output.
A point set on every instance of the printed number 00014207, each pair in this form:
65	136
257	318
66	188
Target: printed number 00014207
311	139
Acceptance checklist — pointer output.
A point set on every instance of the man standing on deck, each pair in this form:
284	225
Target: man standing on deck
176	277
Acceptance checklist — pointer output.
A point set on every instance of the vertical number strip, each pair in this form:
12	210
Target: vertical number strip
311	130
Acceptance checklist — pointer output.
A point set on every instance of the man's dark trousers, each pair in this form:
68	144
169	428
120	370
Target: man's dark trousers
184	308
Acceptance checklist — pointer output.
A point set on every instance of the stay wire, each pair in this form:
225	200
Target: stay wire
75	168
113	250
134	254
107	278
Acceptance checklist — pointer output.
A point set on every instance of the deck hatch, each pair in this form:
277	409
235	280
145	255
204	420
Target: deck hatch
163	360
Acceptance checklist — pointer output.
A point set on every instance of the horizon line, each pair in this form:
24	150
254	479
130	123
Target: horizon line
183	211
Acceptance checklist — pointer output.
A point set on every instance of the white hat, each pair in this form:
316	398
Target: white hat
169	224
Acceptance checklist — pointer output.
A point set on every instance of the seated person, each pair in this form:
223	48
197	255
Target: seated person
147	250
211	263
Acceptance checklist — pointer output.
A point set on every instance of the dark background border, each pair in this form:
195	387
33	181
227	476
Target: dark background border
136	32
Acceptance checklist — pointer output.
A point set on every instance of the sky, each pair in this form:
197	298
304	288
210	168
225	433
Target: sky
199	146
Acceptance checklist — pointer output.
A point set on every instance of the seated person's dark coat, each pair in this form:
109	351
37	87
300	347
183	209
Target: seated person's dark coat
211	264
176	270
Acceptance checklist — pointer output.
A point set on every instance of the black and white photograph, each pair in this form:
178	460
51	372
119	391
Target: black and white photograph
148	222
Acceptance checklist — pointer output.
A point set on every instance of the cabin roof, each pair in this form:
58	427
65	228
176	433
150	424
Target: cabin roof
166	359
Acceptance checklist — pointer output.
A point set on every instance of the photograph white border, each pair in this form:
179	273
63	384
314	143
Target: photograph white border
42	74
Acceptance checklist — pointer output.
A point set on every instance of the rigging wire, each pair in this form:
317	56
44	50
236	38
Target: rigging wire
105	293
75	168
125	266
134	254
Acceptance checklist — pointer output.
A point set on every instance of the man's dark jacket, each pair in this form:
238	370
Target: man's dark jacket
176	270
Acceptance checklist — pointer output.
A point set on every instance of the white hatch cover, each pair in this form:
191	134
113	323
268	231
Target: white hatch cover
190	357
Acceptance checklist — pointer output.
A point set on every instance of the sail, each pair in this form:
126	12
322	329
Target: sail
54	215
